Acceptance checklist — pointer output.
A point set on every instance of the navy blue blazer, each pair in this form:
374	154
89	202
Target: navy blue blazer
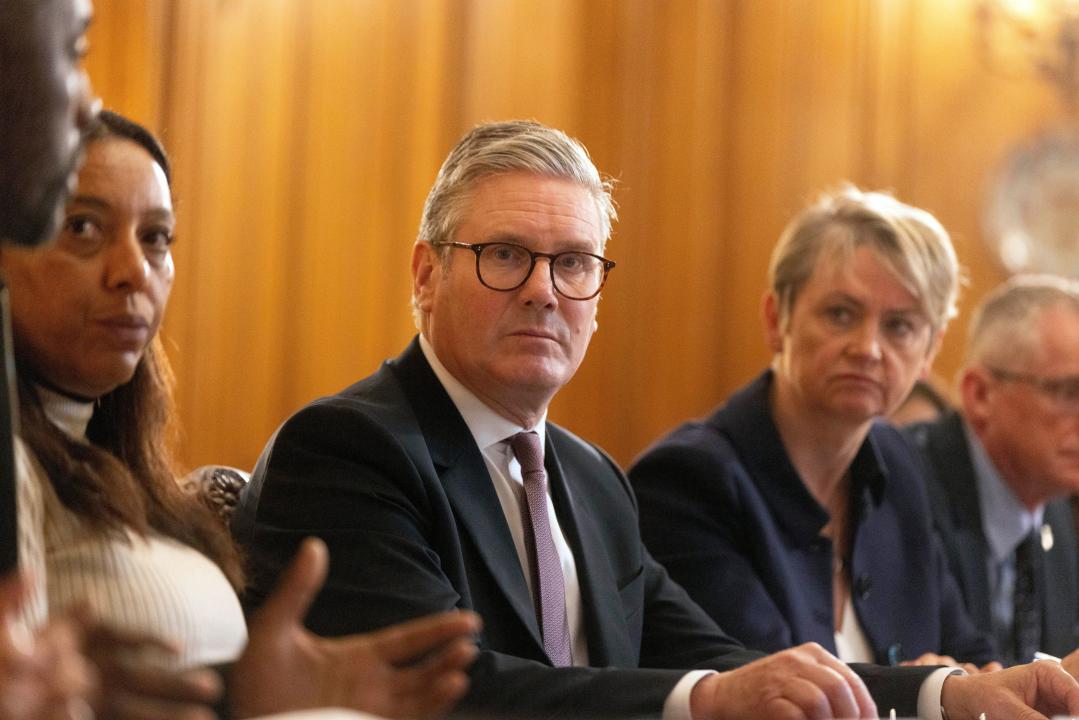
723	508
953	490
387	473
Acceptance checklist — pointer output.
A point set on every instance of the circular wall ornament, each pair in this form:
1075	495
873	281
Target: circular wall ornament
1032	220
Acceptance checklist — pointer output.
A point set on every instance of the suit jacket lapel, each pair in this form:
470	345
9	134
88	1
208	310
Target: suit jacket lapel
950	453
1058	581
608	638
465	478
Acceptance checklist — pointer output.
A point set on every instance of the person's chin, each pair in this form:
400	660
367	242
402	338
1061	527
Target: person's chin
857	410
537	373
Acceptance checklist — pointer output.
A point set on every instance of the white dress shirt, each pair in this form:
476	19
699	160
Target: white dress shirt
491	431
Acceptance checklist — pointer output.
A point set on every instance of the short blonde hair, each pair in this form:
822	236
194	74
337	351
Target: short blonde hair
911	242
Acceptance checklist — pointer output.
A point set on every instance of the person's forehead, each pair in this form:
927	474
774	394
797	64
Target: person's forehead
1056	347
524	201
864	268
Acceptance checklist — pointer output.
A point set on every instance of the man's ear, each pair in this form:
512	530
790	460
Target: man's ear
426	272
974	391
770	313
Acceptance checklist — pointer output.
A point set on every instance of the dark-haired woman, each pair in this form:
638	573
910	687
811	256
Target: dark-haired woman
108	524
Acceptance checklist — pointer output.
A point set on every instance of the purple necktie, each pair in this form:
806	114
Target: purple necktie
547	582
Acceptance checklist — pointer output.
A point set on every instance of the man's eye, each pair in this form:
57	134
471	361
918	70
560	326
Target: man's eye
572	261
1066	389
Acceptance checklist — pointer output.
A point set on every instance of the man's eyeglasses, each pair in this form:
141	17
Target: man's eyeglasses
1064	391
506	266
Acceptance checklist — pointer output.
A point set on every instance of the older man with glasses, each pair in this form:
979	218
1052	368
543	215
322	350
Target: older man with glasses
1003	466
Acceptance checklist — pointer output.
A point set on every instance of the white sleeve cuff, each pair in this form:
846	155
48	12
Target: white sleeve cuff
929	694
676	706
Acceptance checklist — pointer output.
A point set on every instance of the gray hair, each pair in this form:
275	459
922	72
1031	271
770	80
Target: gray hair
504	147
911	242
1004	326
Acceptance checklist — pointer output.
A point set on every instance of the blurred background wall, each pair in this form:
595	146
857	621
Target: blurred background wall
305	134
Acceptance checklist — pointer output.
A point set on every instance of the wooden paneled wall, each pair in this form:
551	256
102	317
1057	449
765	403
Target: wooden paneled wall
306	133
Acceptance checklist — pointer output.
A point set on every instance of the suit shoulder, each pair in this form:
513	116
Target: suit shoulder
575	449
692	447
896	446
377	401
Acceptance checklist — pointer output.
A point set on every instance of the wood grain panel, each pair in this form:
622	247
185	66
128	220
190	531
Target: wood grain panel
306	135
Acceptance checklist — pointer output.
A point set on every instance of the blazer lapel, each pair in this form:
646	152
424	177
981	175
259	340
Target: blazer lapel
608	638
467	483
950	453
1058	581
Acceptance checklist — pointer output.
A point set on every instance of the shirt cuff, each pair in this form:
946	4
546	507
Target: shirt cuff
676	706
929	694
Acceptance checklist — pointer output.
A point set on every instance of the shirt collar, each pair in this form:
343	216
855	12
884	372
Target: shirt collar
1005	521
66	413
487	426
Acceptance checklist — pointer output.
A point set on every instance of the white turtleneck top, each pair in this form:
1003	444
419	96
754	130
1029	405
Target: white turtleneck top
151	584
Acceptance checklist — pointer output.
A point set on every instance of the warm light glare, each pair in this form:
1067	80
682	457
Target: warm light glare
1022	9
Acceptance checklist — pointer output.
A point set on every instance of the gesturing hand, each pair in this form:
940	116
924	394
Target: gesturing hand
412	670
137	684
42	676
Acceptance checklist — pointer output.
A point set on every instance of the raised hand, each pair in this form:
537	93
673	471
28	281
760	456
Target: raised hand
412	670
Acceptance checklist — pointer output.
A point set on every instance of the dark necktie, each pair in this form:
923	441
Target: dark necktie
547	582
1027	600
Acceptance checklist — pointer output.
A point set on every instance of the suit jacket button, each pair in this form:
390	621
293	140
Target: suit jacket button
862	586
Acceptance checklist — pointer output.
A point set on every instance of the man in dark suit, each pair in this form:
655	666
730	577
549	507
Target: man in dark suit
438	482
1003	466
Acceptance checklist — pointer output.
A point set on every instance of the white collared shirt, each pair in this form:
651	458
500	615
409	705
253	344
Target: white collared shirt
491	431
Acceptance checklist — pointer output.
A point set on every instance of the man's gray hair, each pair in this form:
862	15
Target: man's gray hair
499	148
1004	326
504	147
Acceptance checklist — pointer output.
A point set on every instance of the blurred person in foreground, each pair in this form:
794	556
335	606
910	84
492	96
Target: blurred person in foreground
114	532
438	482
45	105
1004	463
795	491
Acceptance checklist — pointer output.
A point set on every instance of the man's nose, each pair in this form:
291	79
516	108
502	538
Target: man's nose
539	287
